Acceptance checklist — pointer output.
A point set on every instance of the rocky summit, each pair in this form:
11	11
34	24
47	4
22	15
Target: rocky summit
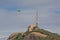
34	33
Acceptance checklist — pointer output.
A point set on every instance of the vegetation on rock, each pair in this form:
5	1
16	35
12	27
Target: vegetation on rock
27	34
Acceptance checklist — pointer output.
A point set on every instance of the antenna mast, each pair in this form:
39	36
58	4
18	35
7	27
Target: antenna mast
37	17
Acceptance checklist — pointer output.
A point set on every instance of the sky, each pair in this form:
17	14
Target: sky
13	21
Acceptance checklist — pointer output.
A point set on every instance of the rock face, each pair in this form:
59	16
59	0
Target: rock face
30	36
34	36
34	33
39	34
31	27
13	36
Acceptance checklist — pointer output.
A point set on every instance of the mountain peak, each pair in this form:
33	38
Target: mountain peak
34	33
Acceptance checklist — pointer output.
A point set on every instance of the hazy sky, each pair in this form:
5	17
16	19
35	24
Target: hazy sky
13	21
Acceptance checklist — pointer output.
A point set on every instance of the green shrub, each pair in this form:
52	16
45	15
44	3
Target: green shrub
51	36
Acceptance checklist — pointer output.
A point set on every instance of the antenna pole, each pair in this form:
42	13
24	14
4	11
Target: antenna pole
37	17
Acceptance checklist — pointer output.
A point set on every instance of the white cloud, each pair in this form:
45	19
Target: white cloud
2	36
